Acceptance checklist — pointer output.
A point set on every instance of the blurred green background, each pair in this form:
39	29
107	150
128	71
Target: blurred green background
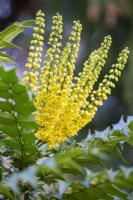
99	18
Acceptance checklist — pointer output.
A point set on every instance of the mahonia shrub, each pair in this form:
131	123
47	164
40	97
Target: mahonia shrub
60	98
51	106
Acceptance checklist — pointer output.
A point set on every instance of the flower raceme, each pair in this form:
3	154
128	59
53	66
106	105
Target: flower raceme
61	98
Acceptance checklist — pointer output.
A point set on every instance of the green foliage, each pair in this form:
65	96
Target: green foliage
17	123
66	172
7	35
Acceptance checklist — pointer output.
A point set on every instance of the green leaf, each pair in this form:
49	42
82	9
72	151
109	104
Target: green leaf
110	189
67	163
10	130
4	44
5	106
4	58
4	95
15	29
93	193
17	123
27	121
8	35
13	143
19	98
7	118
4	87
131	126
12	78
24	108
29	143
19	89
5	191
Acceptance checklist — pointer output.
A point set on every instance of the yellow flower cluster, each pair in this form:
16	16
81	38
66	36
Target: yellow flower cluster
61	99
34	59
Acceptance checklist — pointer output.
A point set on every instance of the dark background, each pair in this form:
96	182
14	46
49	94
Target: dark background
99	18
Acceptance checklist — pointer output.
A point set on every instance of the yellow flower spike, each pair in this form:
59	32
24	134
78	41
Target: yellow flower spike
92	68
108	81
62	105
34	59
68	57
53	53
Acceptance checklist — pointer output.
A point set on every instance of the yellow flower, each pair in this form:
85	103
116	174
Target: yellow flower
61	98
34	59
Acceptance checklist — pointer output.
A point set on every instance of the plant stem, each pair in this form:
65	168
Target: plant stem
18	128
